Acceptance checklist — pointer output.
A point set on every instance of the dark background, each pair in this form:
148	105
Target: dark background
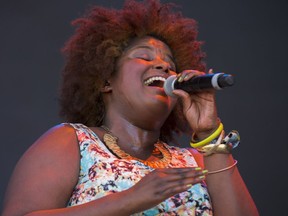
245	38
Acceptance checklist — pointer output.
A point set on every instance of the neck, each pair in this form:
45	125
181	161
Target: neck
133	139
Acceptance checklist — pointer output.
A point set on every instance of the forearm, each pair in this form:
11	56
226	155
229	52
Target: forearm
114	204
227	190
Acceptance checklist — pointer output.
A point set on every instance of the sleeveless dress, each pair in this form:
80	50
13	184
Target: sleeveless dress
102	173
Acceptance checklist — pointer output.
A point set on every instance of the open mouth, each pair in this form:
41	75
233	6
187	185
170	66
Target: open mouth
155	81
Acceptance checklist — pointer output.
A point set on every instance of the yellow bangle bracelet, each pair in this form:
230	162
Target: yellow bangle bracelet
209	138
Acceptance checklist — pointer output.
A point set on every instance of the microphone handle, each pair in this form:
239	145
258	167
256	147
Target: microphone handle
207	81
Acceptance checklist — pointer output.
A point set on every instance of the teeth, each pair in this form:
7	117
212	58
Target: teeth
152	79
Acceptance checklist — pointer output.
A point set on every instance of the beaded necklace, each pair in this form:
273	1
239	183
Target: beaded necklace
160	150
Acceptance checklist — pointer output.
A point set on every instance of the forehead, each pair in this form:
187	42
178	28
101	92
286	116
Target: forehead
150	43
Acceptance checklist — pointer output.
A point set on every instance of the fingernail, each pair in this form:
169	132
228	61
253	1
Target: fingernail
198	168
180	79
186	78
189	185
202	177
204	171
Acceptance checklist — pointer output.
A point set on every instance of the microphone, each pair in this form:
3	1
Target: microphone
216	81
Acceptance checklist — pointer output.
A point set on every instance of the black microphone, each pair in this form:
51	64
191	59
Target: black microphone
199	83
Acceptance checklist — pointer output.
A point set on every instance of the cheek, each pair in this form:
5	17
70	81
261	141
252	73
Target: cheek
131	72
127	81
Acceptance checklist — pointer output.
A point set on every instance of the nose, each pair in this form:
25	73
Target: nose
162	65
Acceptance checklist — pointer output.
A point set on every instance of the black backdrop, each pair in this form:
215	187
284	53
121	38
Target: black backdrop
245	38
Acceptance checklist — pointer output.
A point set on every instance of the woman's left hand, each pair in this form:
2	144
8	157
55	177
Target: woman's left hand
198	108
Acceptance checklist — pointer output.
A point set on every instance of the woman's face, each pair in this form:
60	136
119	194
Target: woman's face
137	85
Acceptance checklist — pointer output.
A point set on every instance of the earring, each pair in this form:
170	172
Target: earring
106	83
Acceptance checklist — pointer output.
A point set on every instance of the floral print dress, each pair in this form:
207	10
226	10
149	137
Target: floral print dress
102	173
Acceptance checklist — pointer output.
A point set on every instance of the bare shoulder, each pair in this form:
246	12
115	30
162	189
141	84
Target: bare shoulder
46	174
57	146
197	156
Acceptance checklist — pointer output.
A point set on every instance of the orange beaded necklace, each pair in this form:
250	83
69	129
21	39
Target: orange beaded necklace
160	150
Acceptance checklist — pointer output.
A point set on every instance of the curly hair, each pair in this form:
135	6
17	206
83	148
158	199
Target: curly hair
100	38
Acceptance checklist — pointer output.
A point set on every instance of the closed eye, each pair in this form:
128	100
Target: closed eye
144	57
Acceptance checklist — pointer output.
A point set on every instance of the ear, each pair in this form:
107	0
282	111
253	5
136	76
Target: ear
106	87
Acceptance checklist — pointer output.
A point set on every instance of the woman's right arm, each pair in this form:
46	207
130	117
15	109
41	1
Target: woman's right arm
45	176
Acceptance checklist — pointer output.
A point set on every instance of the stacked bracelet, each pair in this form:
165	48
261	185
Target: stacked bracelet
215	143
208	139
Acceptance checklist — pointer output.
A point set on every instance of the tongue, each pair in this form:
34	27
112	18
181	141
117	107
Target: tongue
157	83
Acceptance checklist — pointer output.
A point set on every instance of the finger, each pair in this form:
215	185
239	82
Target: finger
187	177
190	181
181	93
188	74
177	170
180	174
171	188
181	76
192	73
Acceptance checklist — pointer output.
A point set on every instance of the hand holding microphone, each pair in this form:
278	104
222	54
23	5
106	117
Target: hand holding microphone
199	83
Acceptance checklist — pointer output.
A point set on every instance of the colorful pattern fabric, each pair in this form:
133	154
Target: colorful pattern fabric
102	173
